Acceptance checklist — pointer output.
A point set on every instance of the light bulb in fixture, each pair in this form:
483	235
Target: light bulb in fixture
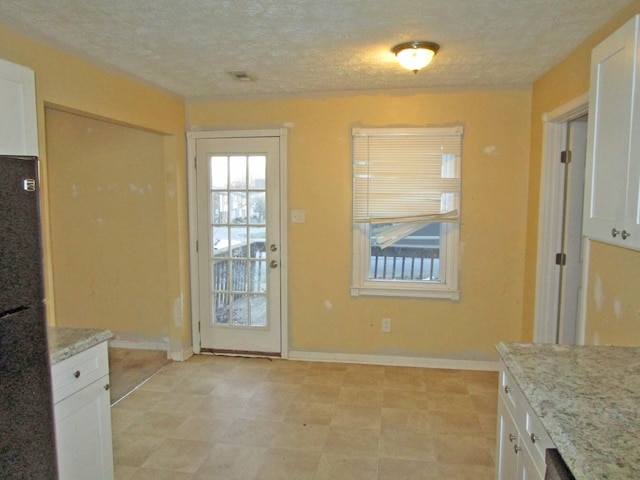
415	55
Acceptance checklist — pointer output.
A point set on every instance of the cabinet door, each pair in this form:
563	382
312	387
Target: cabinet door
507	444
526	468
83	434
608	147
18	122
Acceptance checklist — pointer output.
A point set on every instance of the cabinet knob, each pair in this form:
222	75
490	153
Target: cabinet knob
534	438
512	437
107	386
76	374
614	232
625	234
517	449
507	389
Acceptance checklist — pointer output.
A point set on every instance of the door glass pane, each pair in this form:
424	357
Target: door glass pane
219	207
239	242
220	275
219	173
238	207
258	238
258	276
220	241
258	270
238	172
257	172
257	208
240	310
238	276
221	308
258	305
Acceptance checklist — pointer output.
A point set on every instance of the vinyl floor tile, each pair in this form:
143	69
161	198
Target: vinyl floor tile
254	419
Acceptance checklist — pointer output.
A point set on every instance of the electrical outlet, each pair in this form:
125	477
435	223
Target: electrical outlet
386	325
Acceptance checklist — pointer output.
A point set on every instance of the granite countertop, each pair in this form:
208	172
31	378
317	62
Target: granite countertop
588	399
65	342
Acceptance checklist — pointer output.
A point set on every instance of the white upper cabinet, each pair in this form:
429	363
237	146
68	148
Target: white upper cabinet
612	206
18	122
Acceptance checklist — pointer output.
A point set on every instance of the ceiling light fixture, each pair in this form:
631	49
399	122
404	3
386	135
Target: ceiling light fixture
415	55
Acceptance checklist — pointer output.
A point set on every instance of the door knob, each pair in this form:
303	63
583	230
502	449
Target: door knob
273	264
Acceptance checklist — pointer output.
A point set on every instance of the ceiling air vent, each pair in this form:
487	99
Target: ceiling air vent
241	76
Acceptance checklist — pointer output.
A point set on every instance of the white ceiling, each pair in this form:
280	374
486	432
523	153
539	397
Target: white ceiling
312	46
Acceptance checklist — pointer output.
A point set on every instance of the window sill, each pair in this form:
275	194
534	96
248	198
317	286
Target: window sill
405	292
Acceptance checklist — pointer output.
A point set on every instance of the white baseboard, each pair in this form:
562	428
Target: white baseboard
393	360
136	342
123	340
181	355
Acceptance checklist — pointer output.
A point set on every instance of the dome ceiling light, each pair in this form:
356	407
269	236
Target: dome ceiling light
415	55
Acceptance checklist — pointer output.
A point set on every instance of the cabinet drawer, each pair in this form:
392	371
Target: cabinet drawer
512	395
536	439
78	371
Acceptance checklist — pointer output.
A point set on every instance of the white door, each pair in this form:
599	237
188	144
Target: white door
239	244
571	271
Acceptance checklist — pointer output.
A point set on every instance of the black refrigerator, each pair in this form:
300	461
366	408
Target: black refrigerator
27	440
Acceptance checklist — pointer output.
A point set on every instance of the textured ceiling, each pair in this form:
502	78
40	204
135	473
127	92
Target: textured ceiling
311	46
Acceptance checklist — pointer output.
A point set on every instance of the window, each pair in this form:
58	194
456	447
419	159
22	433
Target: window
406	211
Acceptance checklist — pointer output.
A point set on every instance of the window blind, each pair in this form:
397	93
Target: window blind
406	176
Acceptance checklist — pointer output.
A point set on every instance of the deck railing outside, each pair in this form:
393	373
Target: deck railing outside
405	263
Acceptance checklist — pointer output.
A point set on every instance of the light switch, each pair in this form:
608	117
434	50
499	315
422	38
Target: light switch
297	216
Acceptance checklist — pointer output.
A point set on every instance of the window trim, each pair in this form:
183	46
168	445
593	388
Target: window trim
448	289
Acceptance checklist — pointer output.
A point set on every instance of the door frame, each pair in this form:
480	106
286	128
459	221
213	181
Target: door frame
192	137
554	141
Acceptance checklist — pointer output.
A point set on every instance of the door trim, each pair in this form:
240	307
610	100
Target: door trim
192	137
550	219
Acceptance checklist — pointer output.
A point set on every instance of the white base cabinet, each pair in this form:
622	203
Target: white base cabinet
82	412
521	439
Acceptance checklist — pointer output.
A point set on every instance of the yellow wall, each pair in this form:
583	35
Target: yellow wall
566	81
613	306
70	83
106	206
494	200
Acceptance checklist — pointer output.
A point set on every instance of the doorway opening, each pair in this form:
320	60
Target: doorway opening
558	316
238	242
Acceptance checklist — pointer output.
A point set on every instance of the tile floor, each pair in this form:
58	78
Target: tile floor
129	367
253	419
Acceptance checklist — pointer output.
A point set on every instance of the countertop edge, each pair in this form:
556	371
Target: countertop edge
66	342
